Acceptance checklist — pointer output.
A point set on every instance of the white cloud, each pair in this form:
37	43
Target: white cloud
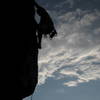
69	72
71	83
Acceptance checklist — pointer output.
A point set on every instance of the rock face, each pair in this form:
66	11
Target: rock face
20	47
26	51
20	68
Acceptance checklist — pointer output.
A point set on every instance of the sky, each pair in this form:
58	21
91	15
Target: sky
69	65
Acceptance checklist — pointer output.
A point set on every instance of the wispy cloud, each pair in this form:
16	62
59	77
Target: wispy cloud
85	68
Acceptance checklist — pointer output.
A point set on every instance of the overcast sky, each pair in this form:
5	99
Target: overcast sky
69	65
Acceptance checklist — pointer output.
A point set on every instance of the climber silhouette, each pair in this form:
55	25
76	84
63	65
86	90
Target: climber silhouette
45	27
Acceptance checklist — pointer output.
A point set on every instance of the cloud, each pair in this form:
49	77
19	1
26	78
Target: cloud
97	31
71	83
69	2
75	52
85	68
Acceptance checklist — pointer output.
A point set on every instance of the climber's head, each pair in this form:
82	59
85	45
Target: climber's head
41	11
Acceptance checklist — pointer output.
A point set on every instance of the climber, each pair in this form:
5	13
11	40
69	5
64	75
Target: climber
45	27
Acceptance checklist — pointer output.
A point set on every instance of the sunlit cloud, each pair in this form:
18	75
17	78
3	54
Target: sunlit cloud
71	83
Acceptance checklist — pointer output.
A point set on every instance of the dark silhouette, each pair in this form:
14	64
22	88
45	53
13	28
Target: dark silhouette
45	26
21	44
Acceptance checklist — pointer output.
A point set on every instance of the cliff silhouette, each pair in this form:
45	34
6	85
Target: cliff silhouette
22	40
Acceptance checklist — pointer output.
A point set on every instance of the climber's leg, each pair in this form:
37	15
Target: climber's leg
39	40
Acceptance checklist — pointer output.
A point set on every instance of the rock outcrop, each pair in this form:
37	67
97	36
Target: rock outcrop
20	68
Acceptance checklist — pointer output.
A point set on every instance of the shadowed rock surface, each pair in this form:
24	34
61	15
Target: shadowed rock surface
20	68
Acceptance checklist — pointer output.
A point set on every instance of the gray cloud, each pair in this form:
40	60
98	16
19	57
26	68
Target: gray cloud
69	2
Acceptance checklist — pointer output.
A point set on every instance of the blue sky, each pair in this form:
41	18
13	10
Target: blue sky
69	65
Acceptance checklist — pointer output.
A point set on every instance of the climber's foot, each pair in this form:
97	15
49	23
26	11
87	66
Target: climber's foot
39	46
